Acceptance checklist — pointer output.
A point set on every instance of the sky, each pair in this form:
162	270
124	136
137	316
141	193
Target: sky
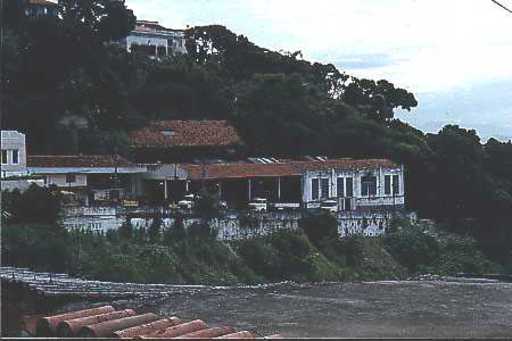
454	55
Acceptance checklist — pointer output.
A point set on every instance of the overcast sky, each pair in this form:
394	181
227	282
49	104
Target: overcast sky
455	55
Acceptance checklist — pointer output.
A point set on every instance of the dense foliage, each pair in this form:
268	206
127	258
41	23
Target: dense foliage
72	91
35	205
195	256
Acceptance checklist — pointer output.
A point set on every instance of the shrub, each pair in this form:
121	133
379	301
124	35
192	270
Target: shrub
318	228
125	231
412	248
155	229
36	205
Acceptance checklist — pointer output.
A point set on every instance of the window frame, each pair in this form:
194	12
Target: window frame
324	181
315	189
13	152
70	176
4	160
388	184
368	187
349	180
340	187
395	187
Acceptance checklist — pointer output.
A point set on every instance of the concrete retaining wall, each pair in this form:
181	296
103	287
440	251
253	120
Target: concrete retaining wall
233	227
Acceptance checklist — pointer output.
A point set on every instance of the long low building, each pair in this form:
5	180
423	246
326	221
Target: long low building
93	178
369	183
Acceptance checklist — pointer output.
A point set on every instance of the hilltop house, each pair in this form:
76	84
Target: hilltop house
35	8
94	179
151	38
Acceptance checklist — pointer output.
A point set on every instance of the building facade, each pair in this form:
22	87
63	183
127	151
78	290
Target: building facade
355	184
13	154
156	41
92	179
35	8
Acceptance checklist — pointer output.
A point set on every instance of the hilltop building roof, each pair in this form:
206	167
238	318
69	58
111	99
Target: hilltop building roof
279	168
177	133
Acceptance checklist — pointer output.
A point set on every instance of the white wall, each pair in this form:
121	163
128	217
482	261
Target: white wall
13	140
379	199
60	180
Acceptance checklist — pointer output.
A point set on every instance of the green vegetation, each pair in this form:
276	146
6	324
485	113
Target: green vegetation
61	71
195	256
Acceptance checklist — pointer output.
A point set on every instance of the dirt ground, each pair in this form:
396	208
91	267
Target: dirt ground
375	309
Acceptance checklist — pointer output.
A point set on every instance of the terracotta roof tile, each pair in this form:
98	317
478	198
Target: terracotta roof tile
285	168
166	134
86	161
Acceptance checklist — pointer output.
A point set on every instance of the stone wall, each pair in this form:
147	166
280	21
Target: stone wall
232	226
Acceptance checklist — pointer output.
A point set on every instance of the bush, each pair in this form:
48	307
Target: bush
412	248
125	231
37	205
201	231
318	228
42	247
155	228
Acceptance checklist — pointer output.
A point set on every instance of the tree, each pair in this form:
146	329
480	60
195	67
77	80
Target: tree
377	99
155	229
35	205
103	20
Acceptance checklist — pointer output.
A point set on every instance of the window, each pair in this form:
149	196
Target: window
368	185
349	188
341	187
15	157
4	157
324	184
387	184
70	178
314	189
396	184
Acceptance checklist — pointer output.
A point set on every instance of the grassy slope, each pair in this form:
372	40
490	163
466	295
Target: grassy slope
282	256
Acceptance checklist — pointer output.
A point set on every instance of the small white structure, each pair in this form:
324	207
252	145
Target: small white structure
13	154
155	40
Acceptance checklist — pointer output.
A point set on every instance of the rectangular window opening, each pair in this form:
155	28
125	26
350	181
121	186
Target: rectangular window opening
15	157
341	187
368	185
325	188
70	178
314	189
349	188
396	184
4	157
387	184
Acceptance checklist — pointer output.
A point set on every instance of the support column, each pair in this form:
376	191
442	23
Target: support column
186	186
250	189
279	188
165	190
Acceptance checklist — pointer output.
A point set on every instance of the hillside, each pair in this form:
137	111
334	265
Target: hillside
59	73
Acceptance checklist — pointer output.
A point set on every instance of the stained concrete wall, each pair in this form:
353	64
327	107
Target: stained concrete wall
233	227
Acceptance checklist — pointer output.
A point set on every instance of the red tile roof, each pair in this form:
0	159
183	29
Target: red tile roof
284	168
168	134
85	161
